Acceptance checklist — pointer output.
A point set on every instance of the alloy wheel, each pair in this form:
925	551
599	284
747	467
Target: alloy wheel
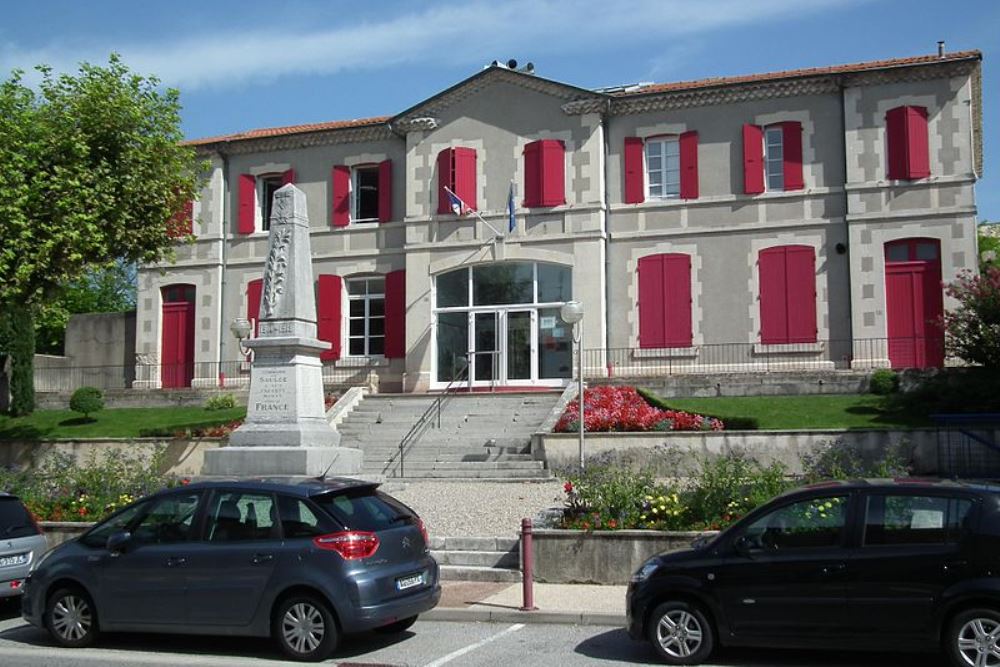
680	633
978	642
302	627
72	618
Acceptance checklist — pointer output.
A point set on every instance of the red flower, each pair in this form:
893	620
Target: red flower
612	524
82	511
185	481
568	487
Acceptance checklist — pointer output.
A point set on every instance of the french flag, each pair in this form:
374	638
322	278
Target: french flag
458	206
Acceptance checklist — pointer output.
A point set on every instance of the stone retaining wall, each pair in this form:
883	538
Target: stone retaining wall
600	557
748	384
561	450
57	532
182	457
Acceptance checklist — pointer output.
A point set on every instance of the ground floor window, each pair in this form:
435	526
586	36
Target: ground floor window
366	317
502	321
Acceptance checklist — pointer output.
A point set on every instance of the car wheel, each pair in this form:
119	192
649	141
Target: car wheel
305	629
973	638
398	626
71	618
681	633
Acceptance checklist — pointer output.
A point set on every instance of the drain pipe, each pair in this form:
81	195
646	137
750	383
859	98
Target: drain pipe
223	229
606	227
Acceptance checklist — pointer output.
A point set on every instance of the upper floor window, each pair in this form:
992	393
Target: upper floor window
663	168
366	317
456	172
545	173
364	192
266	187
361	194
774	157
906	143
256	197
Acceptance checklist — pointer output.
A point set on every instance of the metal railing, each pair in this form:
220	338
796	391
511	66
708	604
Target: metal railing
424	422
832	354
61	377
968	445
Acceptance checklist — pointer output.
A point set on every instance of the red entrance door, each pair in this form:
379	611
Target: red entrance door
177	348
914	303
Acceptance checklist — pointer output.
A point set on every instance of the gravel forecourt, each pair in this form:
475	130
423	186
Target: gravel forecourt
476	509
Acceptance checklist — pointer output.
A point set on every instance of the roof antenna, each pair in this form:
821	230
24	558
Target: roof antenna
322	478
940	48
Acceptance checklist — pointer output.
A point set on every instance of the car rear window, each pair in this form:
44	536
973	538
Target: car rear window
366	510
15	520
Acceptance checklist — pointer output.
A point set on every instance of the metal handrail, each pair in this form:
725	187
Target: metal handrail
417	429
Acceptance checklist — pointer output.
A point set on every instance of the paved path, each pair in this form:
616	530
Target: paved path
427	644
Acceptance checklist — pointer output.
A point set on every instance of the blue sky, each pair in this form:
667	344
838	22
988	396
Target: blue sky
248	64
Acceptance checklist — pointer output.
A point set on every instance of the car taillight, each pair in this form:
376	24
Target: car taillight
423	531
350	544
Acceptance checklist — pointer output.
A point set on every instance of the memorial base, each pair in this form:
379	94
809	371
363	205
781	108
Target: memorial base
282	461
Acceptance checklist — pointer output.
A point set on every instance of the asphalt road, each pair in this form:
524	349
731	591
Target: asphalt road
427	644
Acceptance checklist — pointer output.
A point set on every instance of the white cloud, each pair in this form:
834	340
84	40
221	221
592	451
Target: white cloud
215	57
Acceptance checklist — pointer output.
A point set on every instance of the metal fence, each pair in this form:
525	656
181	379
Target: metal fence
205	375
968	445
823	355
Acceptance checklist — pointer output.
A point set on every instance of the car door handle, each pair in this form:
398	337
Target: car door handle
831	570
954	565
261	558
175	561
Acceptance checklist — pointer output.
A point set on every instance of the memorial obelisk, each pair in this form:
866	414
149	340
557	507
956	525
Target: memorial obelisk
286	431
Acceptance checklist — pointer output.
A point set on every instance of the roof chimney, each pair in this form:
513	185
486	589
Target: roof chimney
940	48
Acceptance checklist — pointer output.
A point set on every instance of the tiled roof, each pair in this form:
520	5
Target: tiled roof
289	129
797	73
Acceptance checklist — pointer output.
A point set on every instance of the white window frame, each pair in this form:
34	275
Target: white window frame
774	165
263	224
355	189
367	298
669	189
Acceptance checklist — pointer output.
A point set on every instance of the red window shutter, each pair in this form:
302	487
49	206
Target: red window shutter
917	150
465	176
446	179
533	174
395	314
288	177
896	139
329	295
652	305
753	159
791	138
689	165
800	272
553	186
385	191
340	204
635	179
255	288
677	299
248	203
773	313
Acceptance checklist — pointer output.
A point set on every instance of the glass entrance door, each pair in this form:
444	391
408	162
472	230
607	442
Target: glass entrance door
518	351
485	347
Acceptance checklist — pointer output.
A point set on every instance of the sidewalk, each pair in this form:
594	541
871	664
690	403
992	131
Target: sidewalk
572	604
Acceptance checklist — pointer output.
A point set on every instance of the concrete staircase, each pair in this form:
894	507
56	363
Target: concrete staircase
482	436
477	558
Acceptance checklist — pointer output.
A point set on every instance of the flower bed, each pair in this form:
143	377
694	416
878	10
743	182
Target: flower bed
620	408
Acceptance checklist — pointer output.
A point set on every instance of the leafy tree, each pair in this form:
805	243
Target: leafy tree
989	242
105	290
973	329
92	172
17	343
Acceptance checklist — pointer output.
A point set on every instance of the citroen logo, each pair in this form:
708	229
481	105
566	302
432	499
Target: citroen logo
406	543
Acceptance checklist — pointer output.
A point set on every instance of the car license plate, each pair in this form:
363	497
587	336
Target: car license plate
16	559
409	582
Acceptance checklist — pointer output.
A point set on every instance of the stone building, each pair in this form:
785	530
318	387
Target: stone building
804	219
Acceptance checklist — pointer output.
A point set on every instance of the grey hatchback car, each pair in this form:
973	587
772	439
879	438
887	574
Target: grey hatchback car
21	545
301	562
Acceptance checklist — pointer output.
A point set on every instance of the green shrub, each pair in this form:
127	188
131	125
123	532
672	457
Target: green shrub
17	339
220	402
727	487
883	382
60	489
87	400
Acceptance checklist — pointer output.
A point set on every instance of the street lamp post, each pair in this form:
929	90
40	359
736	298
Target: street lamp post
572	314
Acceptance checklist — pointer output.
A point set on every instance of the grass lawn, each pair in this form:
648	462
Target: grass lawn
111	423
795	412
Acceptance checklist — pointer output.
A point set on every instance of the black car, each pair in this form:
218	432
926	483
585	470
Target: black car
303	563
888	565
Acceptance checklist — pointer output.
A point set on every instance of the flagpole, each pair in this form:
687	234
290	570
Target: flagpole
475	212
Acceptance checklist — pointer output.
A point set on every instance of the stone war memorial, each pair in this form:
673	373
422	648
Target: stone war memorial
286	432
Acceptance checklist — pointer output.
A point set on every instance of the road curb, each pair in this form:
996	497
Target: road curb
467	615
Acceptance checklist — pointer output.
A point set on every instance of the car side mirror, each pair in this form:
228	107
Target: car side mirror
743	545
118	542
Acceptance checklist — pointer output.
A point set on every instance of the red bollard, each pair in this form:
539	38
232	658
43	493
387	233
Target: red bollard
222	380
527	568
